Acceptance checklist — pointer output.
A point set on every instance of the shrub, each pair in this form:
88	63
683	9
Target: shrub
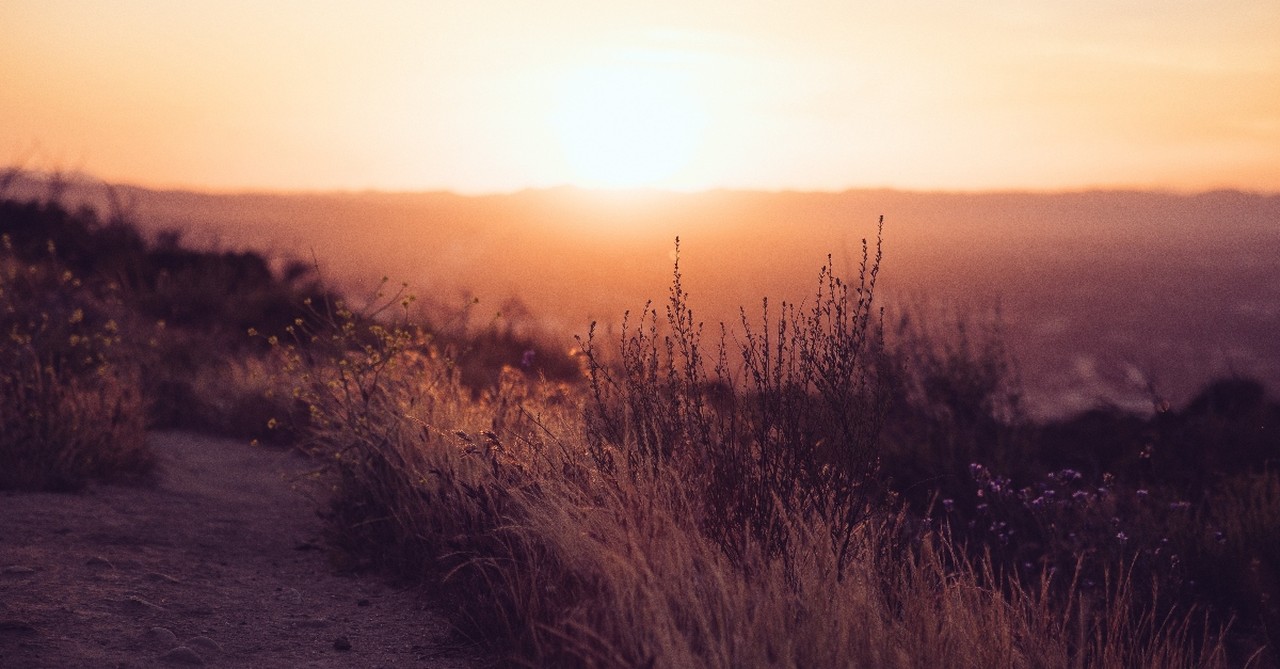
70	407
795	440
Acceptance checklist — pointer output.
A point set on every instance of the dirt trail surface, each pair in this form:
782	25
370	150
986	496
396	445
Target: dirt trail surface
218	565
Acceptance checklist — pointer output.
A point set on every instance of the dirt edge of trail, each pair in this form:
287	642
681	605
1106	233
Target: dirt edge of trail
219	564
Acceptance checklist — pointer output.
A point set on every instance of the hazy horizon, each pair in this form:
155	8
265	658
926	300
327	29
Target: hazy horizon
82	178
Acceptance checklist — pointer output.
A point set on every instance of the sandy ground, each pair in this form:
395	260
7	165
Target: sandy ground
220	565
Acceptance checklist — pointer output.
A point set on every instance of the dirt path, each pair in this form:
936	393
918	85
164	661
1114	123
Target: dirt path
218	565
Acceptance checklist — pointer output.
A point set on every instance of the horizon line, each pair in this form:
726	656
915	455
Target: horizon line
88	179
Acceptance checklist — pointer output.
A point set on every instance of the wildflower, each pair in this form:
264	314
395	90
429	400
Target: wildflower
1142	493
1220	538
1122	536
527	359
948	504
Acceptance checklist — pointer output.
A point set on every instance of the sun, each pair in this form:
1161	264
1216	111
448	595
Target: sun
627	125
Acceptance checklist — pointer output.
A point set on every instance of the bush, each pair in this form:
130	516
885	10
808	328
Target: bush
796	441
70	407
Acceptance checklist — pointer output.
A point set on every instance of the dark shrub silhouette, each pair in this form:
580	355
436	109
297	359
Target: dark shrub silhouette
1228	428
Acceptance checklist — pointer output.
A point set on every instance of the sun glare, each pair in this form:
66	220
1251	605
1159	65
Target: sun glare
627	125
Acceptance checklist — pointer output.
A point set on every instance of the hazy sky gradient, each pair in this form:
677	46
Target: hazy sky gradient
480	96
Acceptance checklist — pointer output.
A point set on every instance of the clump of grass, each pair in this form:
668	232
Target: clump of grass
796	439
70	406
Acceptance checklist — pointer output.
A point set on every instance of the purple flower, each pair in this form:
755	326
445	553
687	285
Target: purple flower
526	360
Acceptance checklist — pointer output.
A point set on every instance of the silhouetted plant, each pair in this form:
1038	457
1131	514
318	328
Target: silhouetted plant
956	401
796	440
70	408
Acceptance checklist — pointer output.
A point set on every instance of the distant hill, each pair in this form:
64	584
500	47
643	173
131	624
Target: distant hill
1100	291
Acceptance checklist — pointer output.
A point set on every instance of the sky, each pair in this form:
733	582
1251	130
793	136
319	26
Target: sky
482	96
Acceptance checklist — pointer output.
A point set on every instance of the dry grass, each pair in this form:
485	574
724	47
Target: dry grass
602	527
70	406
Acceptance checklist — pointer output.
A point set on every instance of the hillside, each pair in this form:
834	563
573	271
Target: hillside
1102	294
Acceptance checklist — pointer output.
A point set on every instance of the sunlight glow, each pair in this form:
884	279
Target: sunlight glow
626	125
500	96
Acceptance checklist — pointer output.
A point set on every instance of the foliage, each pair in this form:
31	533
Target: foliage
809	488
797	443
70	407
656	518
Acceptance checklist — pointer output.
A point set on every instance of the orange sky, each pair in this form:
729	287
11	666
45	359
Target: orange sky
479	96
